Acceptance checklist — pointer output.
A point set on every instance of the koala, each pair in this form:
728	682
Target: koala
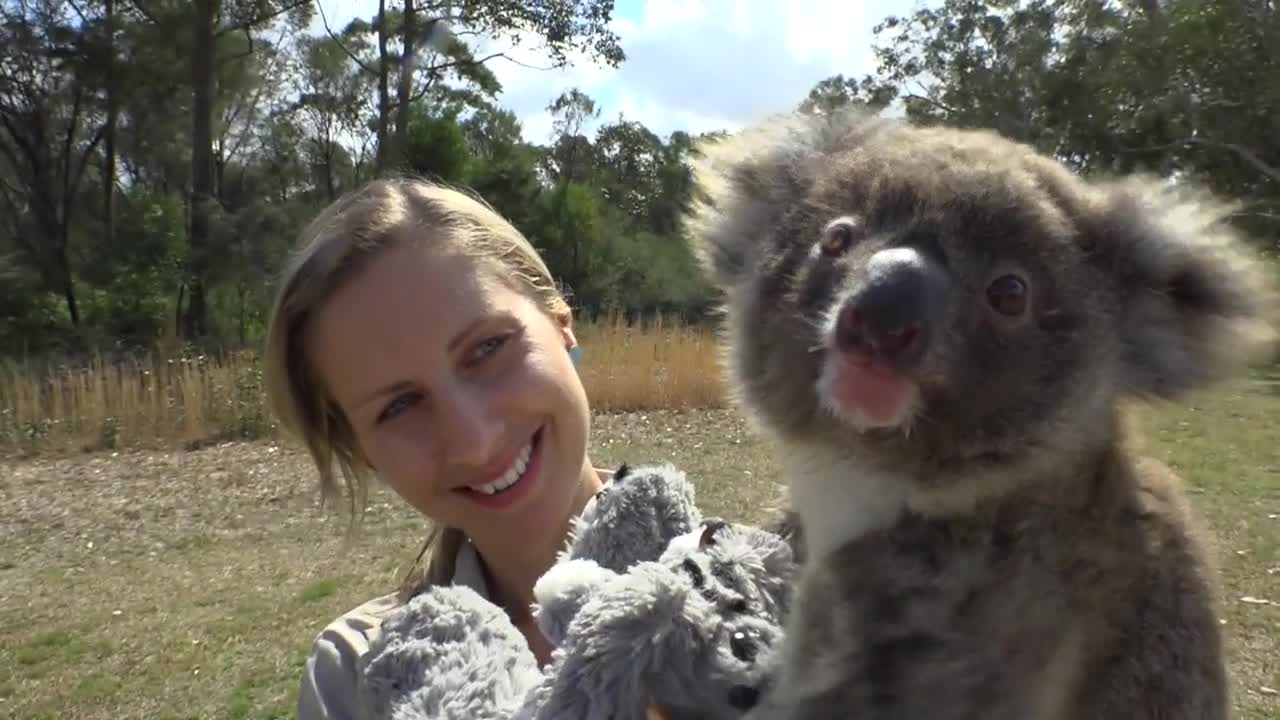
939	330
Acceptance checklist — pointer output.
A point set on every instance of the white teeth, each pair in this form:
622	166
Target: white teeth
510	477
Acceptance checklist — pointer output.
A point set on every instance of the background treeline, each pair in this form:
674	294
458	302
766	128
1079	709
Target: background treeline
157	157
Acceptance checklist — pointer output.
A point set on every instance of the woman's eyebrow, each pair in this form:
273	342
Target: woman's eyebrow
462	335
395	387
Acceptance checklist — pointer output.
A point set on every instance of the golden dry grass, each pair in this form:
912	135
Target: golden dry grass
162	401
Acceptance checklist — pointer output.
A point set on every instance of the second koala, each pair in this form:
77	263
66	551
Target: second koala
939	329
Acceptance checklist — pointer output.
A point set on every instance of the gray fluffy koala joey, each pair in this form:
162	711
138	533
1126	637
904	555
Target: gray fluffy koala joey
632	518
693	632
940	330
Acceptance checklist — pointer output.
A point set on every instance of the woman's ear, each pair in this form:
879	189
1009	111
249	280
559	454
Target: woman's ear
565	320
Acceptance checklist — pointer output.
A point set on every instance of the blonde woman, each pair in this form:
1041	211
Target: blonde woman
417	335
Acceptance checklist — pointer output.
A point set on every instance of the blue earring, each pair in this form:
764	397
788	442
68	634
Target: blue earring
575	354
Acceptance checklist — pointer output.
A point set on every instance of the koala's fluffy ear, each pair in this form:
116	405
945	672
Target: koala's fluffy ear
1195	305
742	182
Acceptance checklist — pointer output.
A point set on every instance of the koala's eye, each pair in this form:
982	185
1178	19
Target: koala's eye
709	530
743	646
838	237
1007	295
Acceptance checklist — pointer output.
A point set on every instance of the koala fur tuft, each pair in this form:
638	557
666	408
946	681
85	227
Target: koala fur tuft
939	329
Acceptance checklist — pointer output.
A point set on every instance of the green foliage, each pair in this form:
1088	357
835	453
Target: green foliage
1183	88
130	279
437	147
31	319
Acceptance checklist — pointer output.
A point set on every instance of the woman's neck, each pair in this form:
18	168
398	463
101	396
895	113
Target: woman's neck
512	571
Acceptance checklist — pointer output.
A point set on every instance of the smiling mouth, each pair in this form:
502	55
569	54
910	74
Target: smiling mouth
514	474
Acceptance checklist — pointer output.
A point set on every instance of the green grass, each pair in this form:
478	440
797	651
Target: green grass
163	585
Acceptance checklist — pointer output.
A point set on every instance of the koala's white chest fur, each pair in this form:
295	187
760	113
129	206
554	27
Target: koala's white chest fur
839	498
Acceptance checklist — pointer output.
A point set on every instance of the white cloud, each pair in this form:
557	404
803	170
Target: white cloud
695	65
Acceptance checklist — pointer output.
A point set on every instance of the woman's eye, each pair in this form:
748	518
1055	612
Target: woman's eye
398	405
487	347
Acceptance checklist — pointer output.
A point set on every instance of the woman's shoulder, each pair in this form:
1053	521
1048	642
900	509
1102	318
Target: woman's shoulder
329	675
328	688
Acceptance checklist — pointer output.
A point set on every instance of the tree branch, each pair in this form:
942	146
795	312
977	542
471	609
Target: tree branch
260	19
481	61
1239	150
937	104
79	12
144	12
28	150
84	159
341	45
9	194
73	122
252	107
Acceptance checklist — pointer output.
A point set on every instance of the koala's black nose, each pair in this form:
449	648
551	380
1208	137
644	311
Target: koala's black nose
890	315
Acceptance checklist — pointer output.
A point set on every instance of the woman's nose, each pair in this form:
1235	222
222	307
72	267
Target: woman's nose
471	430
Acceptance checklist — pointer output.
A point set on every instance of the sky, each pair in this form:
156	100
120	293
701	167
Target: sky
684	59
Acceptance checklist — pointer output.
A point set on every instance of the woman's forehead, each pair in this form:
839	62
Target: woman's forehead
406	306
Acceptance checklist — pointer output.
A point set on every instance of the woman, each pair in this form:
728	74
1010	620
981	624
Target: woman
419	336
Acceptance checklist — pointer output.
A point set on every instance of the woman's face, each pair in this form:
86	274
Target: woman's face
460	392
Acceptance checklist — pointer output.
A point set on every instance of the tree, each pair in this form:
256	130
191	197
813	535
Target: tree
570	159
49	132
431	47
837	91
1183	87
207	26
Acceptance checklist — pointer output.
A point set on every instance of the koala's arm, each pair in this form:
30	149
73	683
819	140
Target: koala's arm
1165	655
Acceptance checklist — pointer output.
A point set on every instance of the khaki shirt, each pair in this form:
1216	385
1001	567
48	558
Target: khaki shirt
329	679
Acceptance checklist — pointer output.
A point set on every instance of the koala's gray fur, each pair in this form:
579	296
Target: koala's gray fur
659	505
997	548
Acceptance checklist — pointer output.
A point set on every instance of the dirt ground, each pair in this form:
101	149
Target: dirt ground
177	584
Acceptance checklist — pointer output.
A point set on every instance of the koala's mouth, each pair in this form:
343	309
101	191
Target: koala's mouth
866	393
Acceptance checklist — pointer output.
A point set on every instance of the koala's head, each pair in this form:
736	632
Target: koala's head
943	299
634	515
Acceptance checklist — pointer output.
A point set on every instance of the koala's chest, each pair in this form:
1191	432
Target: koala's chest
923	609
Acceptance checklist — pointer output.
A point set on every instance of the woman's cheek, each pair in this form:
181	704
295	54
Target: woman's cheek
406	457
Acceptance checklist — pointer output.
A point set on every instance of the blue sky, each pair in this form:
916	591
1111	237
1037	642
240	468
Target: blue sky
687	59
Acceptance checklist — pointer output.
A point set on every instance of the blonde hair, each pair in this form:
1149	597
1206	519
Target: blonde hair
335	246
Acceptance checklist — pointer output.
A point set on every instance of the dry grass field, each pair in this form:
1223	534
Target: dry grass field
154	564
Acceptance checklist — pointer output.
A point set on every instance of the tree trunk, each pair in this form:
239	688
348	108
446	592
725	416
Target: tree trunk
405	90
384	92
330	188
68	287
109	137
202	80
